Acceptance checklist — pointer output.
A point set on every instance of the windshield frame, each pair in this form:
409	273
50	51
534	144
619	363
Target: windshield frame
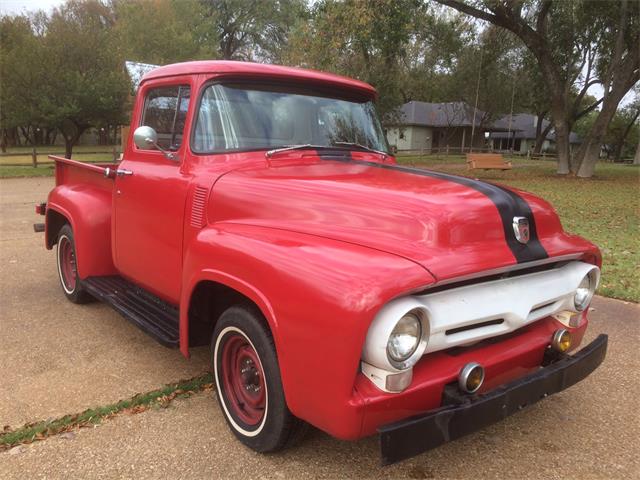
327	91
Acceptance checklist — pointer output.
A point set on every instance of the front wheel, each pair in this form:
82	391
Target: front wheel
68	267
248	382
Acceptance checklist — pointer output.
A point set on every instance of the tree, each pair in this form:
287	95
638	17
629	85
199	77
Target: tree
22	63
365	39
618	69
249	29
85	81
622	134
160	32
580	41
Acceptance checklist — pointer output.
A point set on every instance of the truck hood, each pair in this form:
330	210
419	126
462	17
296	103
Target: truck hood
452	226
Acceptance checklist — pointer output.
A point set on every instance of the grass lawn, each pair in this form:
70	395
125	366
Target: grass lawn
56	149
604	209
45	166
11	166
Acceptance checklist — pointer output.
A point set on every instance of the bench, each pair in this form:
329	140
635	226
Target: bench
487	161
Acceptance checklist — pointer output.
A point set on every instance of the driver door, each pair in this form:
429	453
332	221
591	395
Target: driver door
149	198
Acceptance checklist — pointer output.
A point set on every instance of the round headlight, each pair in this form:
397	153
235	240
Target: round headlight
404	339
585	292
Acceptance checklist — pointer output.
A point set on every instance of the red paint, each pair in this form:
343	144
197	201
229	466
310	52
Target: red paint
318	245
67	263
243	380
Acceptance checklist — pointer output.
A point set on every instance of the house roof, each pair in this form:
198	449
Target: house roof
452	114
523	126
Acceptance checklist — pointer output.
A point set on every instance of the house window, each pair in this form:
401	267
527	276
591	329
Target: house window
517	144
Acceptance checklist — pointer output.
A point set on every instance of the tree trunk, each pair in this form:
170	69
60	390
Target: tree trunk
636	158
68	147
26	133
541	136
620	144
4	141
561	124
70	140
71	132
589	152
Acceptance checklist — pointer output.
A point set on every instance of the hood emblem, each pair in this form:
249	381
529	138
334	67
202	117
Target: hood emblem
521	229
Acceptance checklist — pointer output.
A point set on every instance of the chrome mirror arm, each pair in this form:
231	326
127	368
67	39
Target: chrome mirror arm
167	154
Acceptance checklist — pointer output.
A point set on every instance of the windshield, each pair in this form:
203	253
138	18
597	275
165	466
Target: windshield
252	117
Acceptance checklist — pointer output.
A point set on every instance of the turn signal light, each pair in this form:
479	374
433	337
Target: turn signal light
471	377
561	340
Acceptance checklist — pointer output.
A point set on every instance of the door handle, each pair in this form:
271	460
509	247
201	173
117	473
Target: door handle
120	172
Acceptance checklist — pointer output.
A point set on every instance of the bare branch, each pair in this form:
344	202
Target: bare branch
590	108
469	10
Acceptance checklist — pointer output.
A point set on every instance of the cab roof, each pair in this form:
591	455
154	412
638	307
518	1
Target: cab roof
259	71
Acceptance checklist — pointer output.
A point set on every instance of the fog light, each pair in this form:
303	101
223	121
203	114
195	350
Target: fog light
471	377
561	340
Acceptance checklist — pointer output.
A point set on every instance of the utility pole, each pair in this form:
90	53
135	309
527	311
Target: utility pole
475	107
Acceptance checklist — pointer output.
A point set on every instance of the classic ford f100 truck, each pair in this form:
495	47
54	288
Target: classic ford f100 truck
257	209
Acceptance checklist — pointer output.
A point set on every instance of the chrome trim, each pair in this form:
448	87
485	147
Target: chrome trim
507	269
521	229
464	376
557	339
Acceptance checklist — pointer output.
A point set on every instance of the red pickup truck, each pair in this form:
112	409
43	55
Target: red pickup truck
257	209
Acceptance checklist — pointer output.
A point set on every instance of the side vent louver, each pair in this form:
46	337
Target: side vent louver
198	207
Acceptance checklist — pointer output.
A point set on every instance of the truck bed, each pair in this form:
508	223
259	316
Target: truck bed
69	171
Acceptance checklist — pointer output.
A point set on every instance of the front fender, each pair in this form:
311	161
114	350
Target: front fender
88	210
319	297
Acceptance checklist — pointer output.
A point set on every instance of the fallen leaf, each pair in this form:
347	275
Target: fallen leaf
17	450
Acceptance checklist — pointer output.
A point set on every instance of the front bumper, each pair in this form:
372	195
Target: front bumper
412	436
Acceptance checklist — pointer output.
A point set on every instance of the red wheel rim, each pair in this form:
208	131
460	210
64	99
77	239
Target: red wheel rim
243	380
67	259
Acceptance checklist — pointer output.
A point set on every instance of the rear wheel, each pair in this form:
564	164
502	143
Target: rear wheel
249	384
68	267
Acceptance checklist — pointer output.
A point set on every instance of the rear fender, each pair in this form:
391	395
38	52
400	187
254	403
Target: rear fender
88	210
318	297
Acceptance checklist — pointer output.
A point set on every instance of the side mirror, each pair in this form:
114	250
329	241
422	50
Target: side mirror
145	137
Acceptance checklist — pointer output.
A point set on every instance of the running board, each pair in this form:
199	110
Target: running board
148	312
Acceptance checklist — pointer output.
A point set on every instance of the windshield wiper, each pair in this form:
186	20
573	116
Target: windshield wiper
363	147
271	153
343	145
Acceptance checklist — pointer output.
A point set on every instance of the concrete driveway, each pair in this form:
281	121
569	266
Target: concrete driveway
58	358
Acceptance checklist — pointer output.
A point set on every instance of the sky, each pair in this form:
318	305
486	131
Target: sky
12	7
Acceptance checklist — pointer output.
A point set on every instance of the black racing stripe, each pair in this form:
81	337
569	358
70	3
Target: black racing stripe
508	203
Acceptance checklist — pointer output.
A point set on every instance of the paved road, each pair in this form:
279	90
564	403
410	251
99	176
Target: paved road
58	358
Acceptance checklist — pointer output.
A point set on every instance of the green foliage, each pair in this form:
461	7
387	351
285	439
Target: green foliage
87	85
22	67
160	32
249	29
365	39
63	70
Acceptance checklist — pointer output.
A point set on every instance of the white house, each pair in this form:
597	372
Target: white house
519	134
439	126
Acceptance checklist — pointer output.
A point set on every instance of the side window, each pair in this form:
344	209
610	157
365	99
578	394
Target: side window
165	110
